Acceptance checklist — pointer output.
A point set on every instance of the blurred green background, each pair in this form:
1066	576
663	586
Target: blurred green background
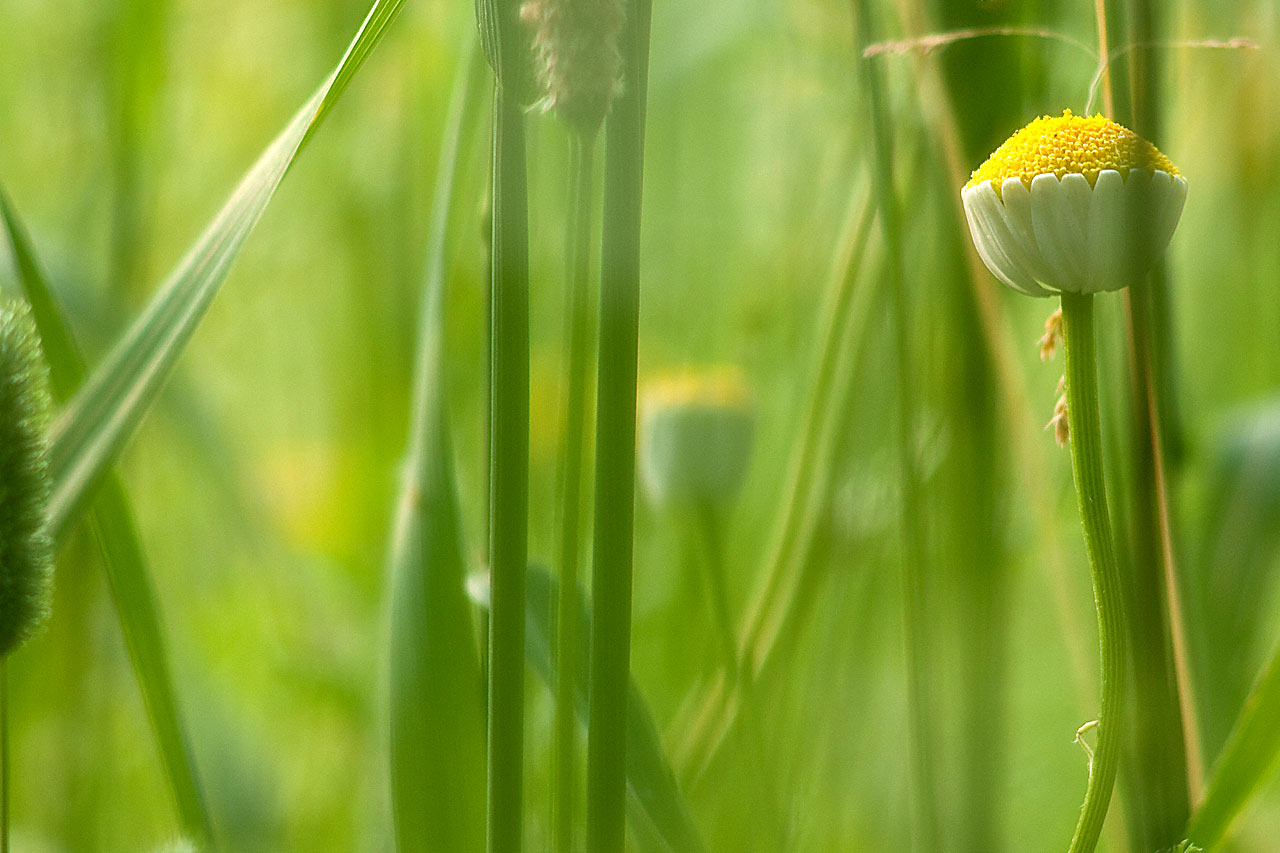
265	478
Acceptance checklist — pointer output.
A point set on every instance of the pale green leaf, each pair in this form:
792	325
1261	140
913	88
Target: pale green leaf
123	558
102	417
1249	759
437	714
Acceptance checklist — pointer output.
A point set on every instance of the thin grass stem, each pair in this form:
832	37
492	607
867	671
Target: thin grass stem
774	604
509	476
1087	468
616	444
927	819
578	339
4	754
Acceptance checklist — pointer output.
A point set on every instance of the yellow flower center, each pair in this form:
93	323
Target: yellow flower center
1069	144
720	387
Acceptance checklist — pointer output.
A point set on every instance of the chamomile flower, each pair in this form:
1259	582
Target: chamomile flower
697	429
1073	204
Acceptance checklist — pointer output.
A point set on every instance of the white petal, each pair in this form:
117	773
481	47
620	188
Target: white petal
1060	216
1167	199
993	237
1110	245
1016	198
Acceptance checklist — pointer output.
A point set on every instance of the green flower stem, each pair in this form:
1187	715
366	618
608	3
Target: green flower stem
712	562
579	328
509	476
1086	465
612	556
708	529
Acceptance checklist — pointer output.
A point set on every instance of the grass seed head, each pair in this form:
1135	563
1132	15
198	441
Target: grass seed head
26	551
579	65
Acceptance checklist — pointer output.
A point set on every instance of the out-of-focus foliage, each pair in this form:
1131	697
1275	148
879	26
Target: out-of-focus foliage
264	480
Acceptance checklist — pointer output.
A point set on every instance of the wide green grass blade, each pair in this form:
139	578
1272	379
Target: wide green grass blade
101	418
66	364
1233	582
123	558
654	797
1249	758
1232	578
437	713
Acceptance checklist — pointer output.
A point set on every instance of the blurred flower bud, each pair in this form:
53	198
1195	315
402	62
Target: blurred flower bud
696	431
26	552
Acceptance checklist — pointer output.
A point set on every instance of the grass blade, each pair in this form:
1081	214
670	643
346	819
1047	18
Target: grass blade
503	40
1249	758
123	557
1232	579
915	567
100	419
614	531
437	690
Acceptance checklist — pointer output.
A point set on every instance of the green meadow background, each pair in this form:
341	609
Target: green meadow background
264	479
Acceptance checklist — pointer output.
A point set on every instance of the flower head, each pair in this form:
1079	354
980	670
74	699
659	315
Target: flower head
697	428
1073	204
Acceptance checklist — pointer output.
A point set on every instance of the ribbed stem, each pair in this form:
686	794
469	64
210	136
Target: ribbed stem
1086	465
612	555
509	476
578	335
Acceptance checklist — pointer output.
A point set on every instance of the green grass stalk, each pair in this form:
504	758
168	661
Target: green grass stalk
927	819
578	324
1087	468
1158	766
1156	776
774	605
616	444
4	754
509	475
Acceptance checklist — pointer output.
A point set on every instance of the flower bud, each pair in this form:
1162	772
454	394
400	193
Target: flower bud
696	434
26	551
